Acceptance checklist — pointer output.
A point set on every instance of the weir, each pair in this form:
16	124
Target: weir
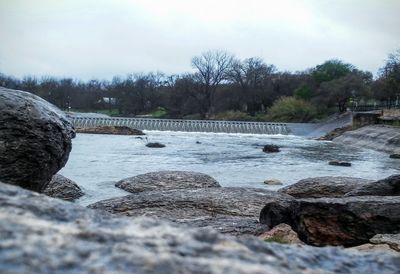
184	125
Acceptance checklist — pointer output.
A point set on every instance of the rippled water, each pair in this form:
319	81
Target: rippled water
98	161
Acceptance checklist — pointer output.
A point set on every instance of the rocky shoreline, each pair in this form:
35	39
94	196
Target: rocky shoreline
179	222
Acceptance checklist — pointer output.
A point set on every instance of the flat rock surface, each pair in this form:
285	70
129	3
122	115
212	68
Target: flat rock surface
35	139
347	221
163	180
231	210
45	235
389	186
327	186
377	137
63	188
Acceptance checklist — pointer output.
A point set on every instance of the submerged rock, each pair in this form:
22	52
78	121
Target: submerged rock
163	180
271	149
35	139
389	186
114	130
155	145
348	221
339	163
63	188
231	210
327	186
273	182
45	235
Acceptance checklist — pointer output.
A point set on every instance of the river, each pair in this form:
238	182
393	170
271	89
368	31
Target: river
97	161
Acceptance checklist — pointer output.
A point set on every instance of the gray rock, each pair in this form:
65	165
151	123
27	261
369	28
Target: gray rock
35	139
163	180
389	186
63	188
230	210
45	235
348	221
327	186
339	163
392	240
155	145
395	156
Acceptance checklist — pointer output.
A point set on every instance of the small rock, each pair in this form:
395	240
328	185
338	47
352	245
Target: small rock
282	233
155	145
197	142
273	182
339	163
271	149
393	240
63	188
395	156
164	180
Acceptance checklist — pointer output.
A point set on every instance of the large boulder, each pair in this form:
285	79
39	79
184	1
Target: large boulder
232	210
327	186
35	139
45	235
389	186
63	188
348	221
163	180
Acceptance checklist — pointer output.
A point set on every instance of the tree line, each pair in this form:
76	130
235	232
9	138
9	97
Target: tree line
225	87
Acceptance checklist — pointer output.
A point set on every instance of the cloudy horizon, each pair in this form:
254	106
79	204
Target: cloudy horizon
101	39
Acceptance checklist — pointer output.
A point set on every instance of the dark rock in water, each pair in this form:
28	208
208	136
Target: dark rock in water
63	188
45	235
231	210
339	163
346	221
197	142
389	186
327	186
271	149
113	130
163	180
395	156
35	139
155	145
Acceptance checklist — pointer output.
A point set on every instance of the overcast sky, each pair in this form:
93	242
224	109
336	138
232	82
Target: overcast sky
99	39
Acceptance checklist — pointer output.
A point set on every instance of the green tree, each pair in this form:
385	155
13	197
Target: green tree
331	70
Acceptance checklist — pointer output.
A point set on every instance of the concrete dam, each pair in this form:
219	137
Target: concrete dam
300	129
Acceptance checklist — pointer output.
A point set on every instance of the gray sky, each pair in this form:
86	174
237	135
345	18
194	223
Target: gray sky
99	39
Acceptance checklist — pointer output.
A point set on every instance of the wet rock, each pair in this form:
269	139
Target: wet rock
395	156
232	210
45	235
392	240
339	163
113	130
163	180
327	186
273	182
389	186
155	145
282	233
348	221
35	139
63	188
271	149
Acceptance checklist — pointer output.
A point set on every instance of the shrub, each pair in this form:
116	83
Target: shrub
290	109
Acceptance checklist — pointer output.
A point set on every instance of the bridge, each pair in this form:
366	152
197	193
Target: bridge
300	129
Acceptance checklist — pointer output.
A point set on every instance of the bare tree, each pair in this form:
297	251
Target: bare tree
212	68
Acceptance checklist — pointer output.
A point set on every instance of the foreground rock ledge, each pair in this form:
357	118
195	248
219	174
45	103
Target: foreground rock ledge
327	186
163	180
232	210
35	139
348	221
45	235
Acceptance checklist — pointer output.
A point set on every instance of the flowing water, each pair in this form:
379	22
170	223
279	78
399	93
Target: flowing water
97	161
